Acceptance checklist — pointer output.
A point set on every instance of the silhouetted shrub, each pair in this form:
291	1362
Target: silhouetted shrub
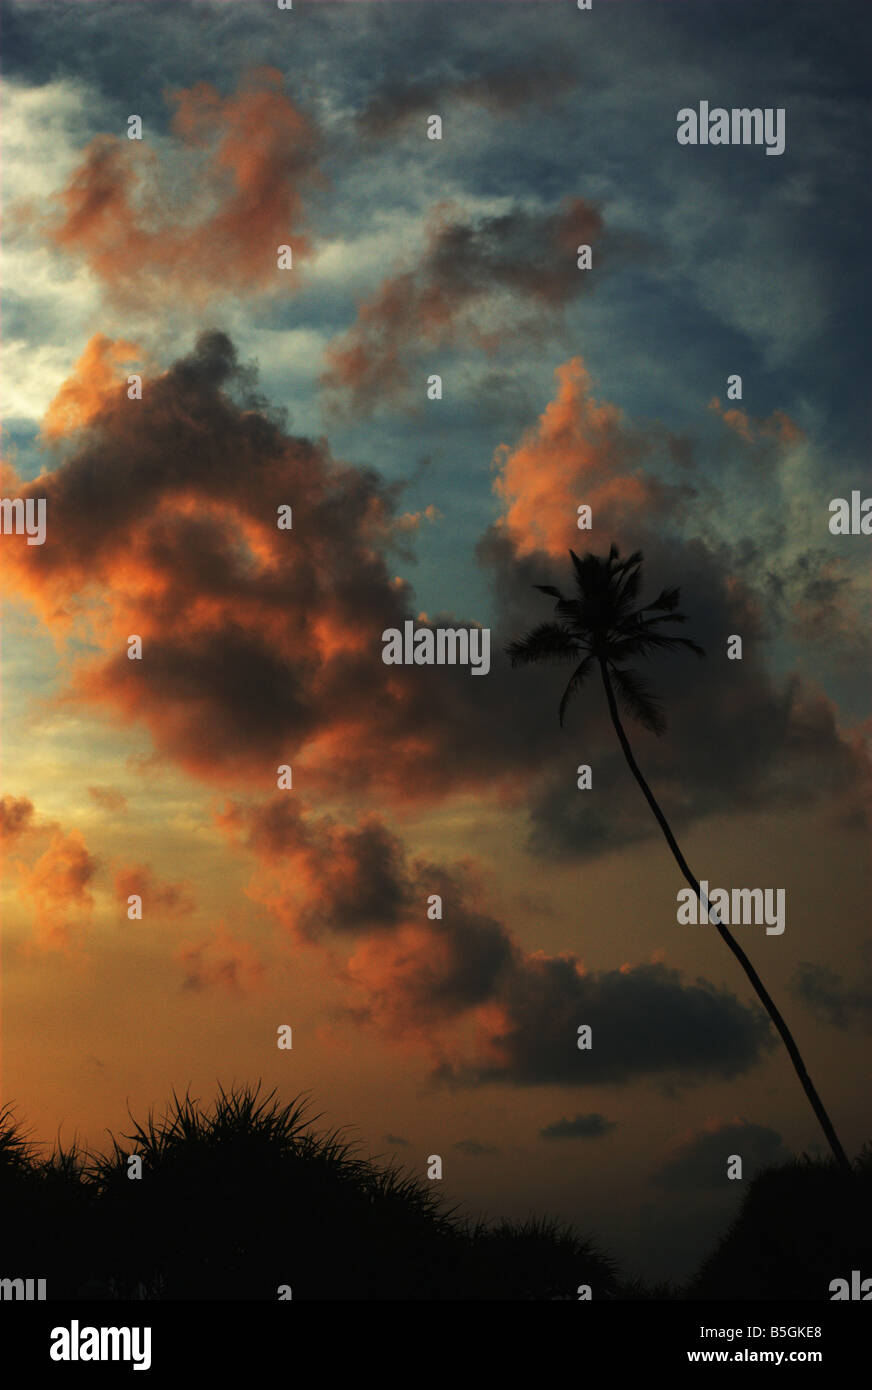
800	1226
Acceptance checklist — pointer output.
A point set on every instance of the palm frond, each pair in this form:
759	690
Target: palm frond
667	642
638	699
666	600
547	642
632	560
662	618
643	643
569	608
628	588
591	577
576	680
689	643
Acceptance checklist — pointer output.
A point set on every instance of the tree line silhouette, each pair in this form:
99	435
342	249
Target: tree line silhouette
243	1199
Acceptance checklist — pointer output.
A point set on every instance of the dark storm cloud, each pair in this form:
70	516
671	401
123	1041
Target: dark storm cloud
645	1021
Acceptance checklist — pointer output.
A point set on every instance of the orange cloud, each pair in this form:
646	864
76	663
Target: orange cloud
580	451
326	876
221	961
170	899
778	426
210	226
260	646
95	382
56	887
16	814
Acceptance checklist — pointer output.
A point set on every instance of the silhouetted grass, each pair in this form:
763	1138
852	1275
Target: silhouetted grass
241	1199
800	1226
541	1258
245	1197
46	1209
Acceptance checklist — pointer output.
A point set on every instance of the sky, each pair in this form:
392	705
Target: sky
307	387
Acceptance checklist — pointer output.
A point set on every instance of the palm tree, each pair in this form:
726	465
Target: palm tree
604	628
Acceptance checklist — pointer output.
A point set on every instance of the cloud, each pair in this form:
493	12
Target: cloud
699	1160
824	603
645	1020
527	1007
260	646
778	426
169	899
415	978
475	1149
592	1126
56	886
345	878
397	1141
251	636
263	647
108	799
207	220
426	975
94	383
477	280
581	450
747	739
829	998
221	961
16	815
505	91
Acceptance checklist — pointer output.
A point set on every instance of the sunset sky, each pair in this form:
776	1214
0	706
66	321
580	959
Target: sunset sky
264	387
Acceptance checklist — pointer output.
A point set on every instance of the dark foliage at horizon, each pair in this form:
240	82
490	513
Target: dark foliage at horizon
801	1225
241	1199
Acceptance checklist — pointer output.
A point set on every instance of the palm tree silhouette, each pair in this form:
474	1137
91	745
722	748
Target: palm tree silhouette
604	628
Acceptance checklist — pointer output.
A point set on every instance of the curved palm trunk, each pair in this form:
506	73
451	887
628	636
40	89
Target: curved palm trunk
759	988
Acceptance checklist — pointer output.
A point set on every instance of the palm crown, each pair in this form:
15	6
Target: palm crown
603	626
